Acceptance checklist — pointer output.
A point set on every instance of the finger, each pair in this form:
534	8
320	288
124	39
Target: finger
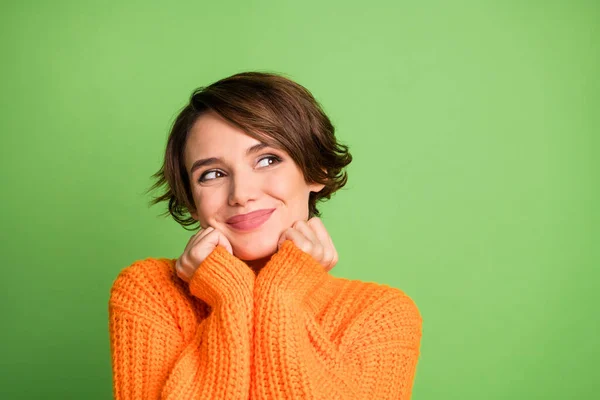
298	239
207	243
328	256
307	231
192	237
205	231
224	242
199	235
284	236
202	234
318	248
328	249
183	260
335	255
180	270
320	231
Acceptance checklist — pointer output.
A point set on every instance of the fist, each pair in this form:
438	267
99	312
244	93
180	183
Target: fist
198	248
312	238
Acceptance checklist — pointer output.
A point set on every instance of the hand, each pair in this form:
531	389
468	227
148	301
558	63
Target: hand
198	248
312	238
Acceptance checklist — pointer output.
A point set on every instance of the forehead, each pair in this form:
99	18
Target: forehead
213	136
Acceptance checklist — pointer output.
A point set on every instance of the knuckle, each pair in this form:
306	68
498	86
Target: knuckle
315	221
320	251
306	247
180	274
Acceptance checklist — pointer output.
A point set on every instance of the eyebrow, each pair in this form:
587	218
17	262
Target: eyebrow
214	160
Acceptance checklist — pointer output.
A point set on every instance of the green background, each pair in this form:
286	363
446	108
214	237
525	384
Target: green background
474	186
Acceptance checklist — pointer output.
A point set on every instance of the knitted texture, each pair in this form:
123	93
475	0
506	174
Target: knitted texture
291	332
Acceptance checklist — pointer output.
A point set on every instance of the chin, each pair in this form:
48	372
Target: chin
254	250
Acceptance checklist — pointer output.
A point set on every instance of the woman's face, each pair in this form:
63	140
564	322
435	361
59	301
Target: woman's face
239	183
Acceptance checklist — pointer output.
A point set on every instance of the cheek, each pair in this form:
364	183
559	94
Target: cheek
208	202
282	187
288	188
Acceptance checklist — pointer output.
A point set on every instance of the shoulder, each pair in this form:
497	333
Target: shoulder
369	313
370	306
155	273
151	285
151	290
371	296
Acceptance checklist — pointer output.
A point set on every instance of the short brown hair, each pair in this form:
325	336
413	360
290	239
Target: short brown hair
270	108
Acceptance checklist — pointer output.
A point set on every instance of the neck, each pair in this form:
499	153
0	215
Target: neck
258	264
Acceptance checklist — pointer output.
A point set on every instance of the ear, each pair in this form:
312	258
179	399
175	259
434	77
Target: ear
316	187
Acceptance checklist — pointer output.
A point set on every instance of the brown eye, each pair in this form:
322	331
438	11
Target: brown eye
270	157
207	173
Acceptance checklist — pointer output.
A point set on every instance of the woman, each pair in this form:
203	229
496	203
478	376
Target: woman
249	309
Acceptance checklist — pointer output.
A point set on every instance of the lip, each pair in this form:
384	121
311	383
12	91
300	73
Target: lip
252	220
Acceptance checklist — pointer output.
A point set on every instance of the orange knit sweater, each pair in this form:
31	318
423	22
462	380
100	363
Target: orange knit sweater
291	332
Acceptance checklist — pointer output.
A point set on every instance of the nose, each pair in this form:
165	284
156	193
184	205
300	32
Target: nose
242	189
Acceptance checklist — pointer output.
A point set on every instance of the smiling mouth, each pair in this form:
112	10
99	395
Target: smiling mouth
251	223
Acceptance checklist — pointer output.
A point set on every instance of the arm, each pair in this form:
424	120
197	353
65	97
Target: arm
151	356
295	357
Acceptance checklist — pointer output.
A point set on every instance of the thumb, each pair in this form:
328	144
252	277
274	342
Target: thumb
222	240
282	239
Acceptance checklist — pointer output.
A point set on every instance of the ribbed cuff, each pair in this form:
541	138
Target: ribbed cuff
222	278
290	272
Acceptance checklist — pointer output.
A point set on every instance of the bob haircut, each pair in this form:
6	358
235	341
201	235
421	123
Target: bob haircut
270	108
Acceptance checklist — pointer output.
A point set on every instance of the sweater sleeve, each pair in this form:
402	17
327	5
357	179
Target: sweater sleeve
152	357
296	359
